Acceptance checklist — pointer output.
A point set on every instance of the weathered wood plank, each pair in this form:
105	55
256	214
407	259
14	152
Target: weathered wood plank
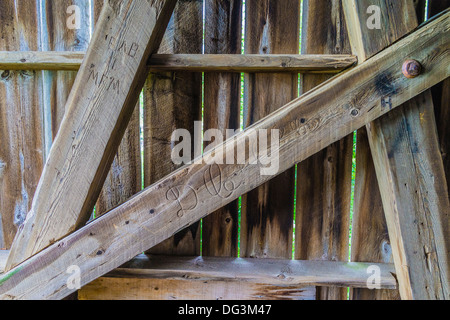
124	180
173	101
324	180
160	277
267	271
396	18
254	63
190	62
59	37
228	278
441	100
98	110
409	169
162	289
330	113
267	212
3	257
370	238
223	35
22	147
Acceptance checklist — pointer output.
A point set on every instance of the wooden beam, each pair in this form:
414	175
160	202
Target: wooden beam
99	107
253	63
307	125
159	277
22	129
324	181
222	109
3	257
408	165
52	60
173	100
267	215
167	289
267	271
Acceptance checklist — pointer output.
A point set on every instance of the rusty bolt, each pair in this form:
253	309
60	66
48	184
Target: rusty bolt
411	69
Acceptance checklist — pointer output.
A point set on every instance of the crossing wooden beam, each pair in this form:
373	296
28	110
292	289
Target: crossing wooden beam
306	125
407	160
98	110
63	60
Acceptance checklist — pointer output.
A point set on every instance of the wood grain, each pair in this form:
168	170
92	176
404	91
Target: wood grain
97	112
263	271
441	100
324	180
223	35
316	63
409	169
172	101
161	289
329	114
61	38
22	147
370	237
267	212
124	179
159	277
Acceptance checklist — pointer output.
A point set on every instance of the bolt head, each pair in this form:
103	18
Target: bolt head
411	69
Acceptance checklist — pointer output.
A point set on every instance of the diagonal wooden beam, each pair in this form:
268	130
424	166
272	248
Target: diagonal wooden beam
307	125
408	164
99	107
312	63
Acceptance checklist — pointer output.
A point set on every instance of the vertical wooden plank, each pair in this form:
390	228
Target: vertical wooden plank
441	100
60	35
408	165
223	34
173	101
370	237
272	27
124	179
324	180
21	119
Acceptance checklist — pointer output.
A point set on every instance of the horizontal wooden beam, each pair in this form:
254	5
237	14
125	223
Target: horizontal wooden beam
160	277
252	63
168	289
61	60
267	271
306	125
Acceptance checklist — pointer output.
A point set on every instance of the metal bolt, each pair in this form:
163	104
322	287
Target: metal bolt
355	112
411	69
